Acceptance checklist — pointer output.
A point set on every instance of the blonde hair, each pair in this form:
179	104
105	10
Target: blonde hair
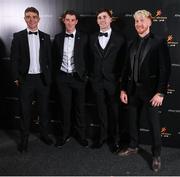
144	13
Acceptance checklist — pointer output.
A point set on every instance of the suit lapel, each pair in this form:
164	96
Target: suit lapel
108	48
41	40
61	44
132	54
25	43
77	45
110	45
148	46
96	43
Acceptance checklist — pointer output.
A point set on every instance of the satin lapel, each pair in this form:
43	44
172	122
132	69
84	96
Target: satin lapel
96	46
110	45
149	45
26	44
77	45
61	44
41	40
132	54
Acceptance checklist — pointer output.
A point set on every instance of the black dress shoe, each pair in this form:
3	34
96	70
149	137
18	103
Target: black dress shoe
60	142
47	140
156	164
23	146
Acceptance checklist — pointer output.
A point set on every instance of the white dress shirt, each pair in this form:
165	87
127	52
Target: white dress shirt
68	54
104	40
34	48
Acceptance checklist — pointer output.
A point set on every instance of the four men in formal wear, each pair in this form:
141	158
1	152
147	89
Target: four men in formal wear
31	71
107	48
144	83
69	55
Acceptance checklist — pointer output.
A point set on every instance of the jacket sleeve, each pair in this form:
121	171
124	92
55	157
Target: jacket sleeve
164	67
125	69
14	57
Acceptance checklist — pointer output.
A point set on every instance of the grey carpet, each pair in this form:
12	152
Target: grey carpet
74	160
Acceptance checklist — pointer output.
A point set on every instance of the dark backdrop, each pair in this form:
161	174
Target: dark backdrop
166	23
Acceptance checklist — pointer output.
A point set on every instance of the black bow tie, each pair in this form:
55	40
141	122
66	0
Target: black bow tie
103	34
69	35
30	32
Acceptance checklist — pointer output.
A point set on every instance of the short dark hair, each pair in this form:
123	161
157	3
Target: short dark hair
31	9
109	12
70	12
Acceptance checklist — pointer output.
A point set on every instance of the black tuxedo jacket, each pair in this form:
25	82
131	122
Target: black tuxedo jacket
109	64
155	66
80	53
20	57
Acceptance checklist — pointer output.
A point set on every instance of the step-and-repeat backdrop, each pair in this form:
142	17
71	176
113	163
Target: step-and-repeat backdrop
166	23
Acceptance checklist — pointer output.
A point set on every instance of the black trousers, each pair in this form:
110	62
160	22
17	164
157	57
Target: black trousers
137	102
71	91
34	88
107	100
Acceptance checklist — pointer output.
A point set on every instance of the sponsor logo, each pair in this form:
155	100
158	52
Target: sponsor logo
174	110
177	15
175	65
171	42
144	130
165	133
158	16
170	91
128	15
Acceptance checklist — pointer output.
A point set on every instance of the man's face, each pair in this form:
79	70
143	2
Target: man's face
32	20
104	21
142	24
70	22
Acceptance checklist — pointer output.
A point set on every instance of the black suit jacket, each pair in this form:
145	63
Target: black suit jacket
109	64
80	53
20	57
155	66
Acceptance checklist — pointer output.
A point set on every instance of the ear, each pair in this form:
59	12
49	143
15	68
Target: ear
150	22
77	21
111	20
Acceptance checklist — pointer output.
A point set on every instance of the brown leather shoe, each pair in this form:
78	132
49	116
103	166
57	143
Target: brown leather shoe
156	164
128	151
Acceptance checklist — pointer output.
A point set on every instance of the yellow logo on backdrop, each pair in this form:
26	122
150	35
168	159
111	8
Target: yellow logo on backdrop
158	17
171	42
164	132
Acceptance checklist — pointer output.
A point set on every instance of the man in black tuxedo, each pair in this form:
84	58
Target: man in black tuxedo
31	71
107	49
144	83
69	55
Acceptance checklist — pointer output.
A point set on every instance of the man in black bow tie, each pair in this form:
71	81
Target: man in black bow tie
31	71
107	49
69	55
